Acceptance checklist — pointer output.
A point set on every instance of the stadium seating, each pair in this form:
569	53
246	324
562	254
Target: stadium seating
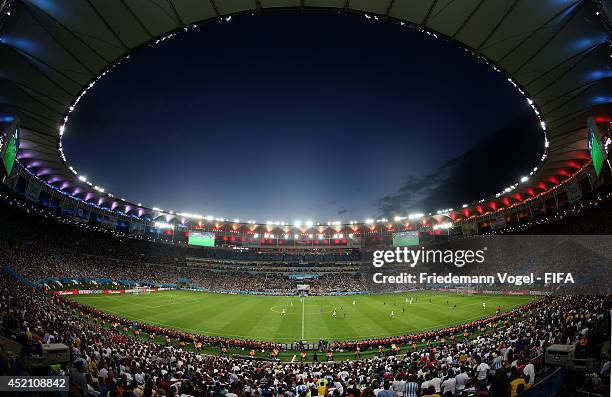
108	358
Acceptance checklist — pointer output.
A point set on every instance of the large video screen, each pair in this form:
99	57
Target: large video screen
405	239
10	152
203	239
597	154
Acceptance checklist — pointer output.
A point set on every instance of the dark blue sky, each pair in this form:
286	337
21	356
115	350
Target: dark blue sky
294	117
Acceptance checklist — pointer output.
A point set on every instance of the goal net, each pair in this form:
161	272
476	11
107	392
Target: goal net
302	289
138	290
465	292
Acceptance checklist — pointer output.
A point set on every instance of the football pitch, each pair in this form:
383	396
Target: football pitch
260	317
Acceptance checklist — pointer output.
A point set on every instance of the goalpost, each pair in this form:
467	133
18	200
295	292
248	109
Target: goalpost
138	290
464	292
303	289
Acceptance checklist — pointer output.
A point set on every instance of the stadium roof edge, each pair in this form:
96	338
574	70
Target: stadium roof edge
556	52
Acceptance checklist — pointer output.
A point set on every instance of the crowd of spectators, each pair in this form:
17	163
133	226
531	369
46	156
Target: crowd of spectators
109	362
40	249
498	356
583	218
43	263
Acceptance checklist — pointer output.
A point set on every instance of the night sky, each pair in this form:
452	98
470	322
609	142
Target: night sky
303	117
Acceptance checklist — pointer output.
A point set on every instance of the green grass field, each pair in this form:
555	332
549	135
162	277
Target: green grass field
259	317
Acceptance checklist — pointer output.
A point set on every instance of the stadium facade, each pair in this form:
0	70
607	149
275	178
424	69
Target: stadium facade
555	53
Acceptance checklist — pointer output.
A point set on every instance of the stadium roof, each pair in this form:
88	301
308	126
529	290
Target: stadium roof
555	51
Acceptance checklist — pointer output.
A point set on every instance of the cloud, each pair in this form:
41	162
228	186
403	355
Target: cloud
415	190
495	161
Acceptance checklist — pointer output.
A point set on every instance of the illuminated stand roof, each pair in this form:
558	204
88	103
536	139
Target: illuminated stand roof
557	53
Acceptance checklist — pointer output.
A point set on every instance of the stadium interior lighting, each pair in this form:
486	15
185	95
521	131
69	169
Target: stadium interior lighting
227	18
163	225
446	225
82	178
309	223
524	179
415	216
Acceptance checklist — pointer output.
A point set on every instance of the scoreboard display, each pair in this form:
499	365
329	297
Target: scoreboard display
406	239
202	239
9	144
595	147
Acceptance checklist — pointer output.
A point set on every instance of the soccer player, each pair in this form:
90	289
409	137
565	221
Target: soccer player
392	315
334	313
284	312
411	300
484	305
354	302
291	304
